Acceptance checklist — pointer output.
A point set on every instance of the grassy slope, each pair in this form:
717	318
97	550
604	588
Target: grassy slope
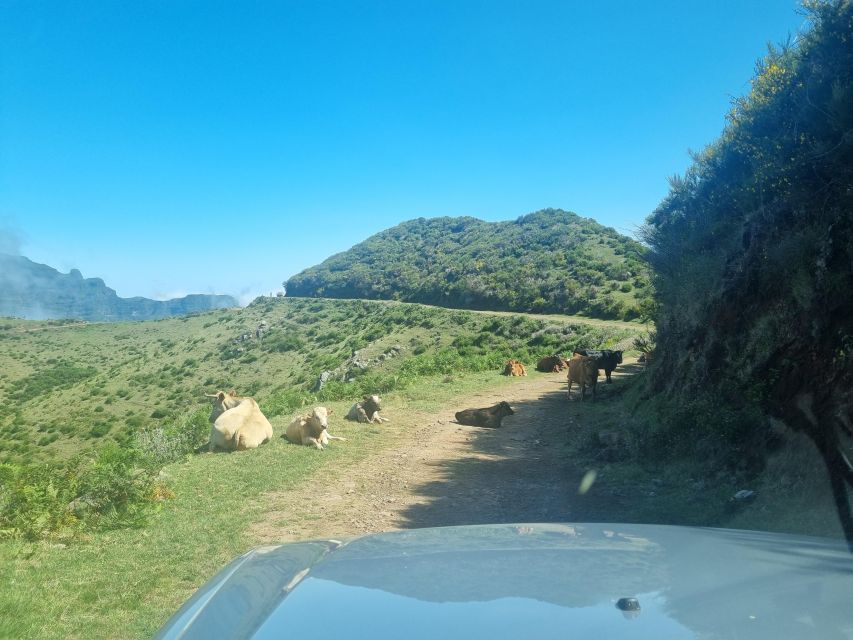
125	583
73	386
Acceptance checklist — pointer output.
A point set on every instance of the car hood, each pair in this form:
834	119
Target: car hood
532	580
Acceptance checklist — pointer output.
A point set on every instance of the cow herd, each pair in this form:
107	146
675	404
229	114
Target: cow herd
583	367
237	422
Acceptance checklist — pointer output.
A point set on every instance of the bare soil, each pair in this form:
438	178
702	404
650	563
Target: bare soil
435	472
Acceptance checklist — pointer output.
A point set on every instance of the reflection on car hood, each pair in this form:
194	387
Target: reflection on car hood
532	581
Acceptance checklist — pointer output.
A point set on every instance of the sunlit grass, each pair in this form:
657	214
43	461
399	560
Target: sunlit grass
125	584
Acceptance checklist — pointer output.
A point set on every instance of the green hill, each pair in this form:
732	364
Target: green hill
39	292
74	386
549	261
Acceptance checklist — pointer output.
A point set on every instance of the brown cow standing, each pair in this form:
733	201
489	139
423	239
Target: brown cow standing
584	371
514	368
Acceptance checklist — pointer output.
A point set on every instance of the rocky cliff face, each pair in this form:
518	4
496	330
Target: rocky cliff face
39	292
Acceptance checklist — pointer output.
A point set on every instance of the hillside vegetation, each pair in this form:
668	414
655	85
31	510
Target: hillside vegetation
550	261
38	292
753	260
117	396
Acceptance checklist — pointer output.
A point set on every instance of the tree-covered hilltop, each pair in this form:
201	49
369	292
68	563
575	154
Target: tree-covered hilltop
753	259
548	261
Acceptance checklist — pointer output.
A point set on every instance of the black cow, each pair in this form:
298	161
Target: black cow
604	358
489	417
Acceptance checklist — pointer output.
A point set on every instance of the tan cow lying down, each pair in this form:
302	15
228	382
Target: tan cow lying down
584	371
514	368
366	411
311	429
237	423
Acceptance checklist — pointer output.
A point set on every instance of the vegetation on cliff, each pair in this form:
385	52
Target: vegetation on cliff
752	253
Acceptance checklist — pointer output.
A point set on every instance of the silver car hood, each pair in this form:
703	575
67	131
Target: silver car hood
532	581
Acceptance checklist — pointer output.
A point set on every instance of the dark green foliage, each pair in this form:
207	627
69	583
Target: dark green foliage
60	376
174	440
99	429
107	489
114	486
283	342
753	256
549	261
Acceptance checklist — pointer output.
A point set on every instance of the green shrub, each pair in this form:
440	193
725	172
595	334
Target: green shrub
158	446
60	376
282	343
43	501
285	402
99	429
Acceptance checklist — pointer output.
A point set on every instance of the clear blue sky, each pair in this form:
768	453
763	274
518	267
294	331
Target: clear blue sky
172	146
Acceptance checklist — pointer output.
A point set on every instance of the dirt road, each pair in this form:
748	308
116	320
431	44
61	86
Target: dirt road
442	473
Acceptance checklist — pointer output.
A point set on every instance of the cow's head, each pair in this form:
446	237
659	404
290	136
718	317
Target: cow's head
618	357
221	402
505	409
590	369
370	404
320	416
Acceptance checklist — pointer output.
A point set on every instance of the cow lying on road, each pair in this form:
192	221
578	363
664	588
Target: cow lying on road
552	364
237	423
311	429
366	411
605	359
584	371
489	417
514	368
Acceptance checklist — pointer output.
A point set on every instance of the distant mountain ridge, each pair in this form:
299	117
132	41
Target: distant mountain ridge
38	292
550	261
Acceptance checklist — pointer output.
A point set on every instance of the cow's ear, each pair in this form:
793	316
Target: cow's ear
220	396
232	392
